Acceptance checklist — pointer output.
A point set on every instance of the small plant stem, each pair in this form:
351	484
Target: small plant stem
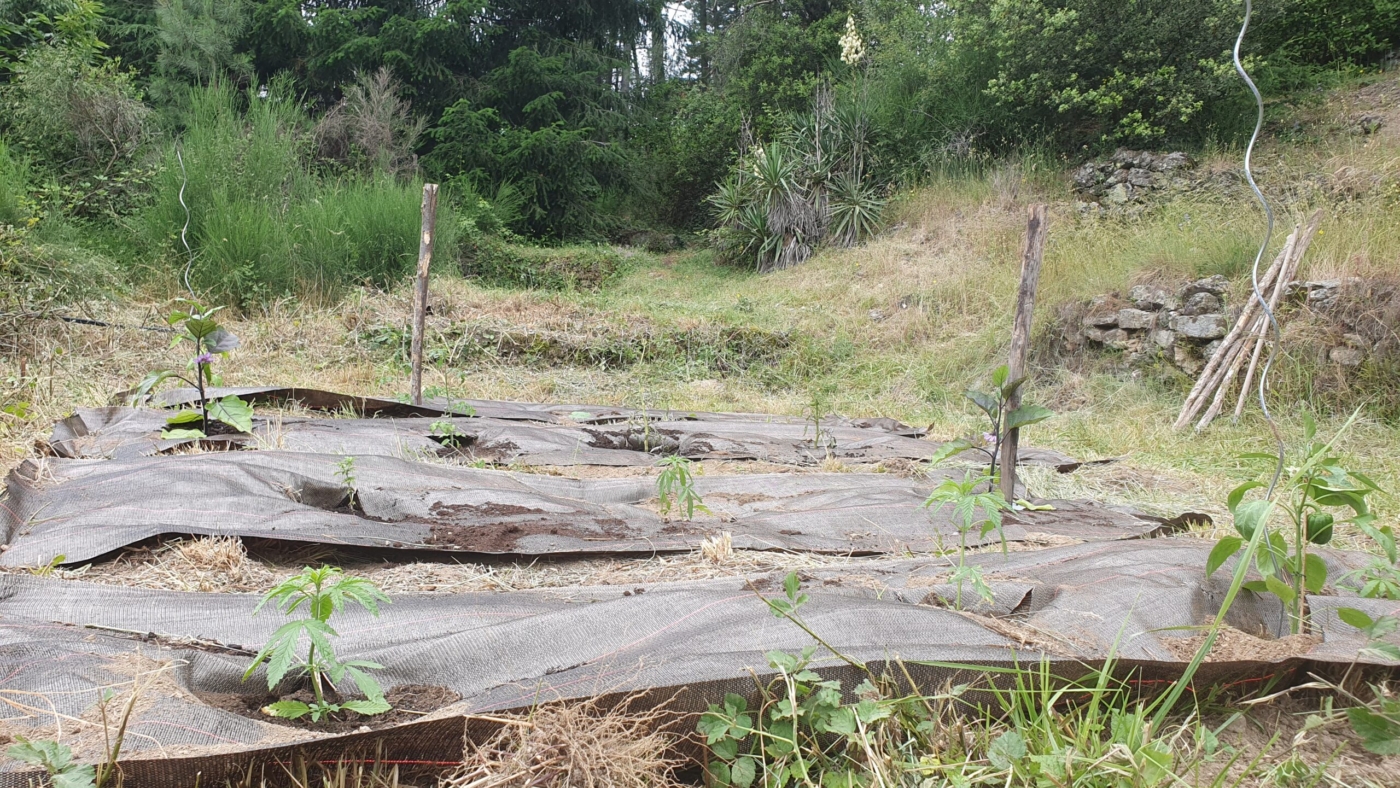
199	383
315	676
1300	547
962	563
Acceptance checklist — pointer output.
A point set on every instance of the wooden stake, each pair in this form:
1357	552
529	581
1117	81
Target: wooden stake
420	290
1204	384
1299	249
1032	254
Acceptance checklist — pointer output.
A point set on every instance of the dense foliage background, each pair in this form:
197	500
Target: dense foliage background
300	129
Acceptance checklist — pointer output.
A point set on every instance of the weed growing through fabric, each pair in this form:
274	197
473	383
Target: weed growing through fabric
967	502
1291	571
345	472
676	486
322	593
1001	420
818	408
446	433
1378	580
1016	726
56	759
198	327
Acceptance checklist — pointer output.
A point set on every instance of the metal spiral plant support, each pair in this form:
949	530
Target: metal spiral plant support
184	231
1263	247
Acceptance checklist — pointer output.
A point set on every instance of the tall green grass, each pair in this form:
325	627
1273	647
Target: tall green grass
263	222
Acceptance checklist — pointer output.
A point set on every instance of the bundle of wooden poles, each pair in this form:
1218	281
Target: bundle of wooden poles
1247	339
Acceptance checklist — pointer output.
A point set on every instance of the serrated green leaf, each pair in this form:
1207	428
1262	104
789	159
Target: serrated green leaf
368	707
947	451
725	748
1007	750
287	709
1379	734
791	585
743	771
719	772
74	777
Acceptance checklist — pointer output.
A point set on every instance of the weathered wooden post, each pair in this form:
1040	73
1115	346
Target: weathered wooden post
420	290
1032	253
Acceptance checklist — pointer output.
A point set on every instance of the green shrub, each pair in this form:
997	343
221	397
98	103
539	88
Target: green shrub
262	223
499	262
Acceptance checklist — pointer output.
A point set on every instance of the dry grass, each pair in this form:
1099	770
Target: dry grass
575	746
207	564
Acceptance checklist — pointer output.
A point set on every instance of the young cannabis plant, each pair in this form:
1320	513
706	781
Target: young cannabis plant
1002	419
1285	559
198	327
676	486
321	593
966	501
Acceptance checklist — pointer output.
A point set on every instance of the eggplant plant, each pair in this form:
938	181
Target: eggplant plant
197	326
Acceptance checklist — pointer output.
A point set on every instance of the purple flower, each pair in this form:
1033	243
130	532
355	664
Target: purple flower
989	439
204	358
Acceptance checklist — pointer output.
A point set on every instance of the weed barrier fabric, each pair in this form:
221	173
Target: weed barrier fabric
82	509
318	399
122	433
689	641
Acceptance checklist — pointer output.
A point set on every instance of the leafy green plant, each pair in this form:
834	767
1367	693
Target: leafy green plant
1378	721
1001	419
198	327
802	731
345	472
56	759
967	502
1378	580
1309	498
675	485
321	593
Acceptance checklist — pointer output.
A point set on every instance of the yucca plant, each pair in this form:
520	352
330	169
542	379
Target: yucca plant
854	210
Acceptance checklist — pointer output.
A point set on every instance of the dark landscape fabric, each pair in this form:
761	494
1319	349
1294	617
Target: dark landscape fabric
1071	605
119	432
398	481
83	509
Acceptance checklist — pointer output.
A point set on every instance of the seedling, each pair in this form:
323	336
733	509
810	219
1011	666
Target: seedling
345	472
1292	571
818	408
676	485
198	327
1001	420
322	593
966	503
56	759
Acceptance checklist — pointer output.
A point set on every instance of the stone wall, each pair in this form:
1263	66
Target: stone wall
1184	326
